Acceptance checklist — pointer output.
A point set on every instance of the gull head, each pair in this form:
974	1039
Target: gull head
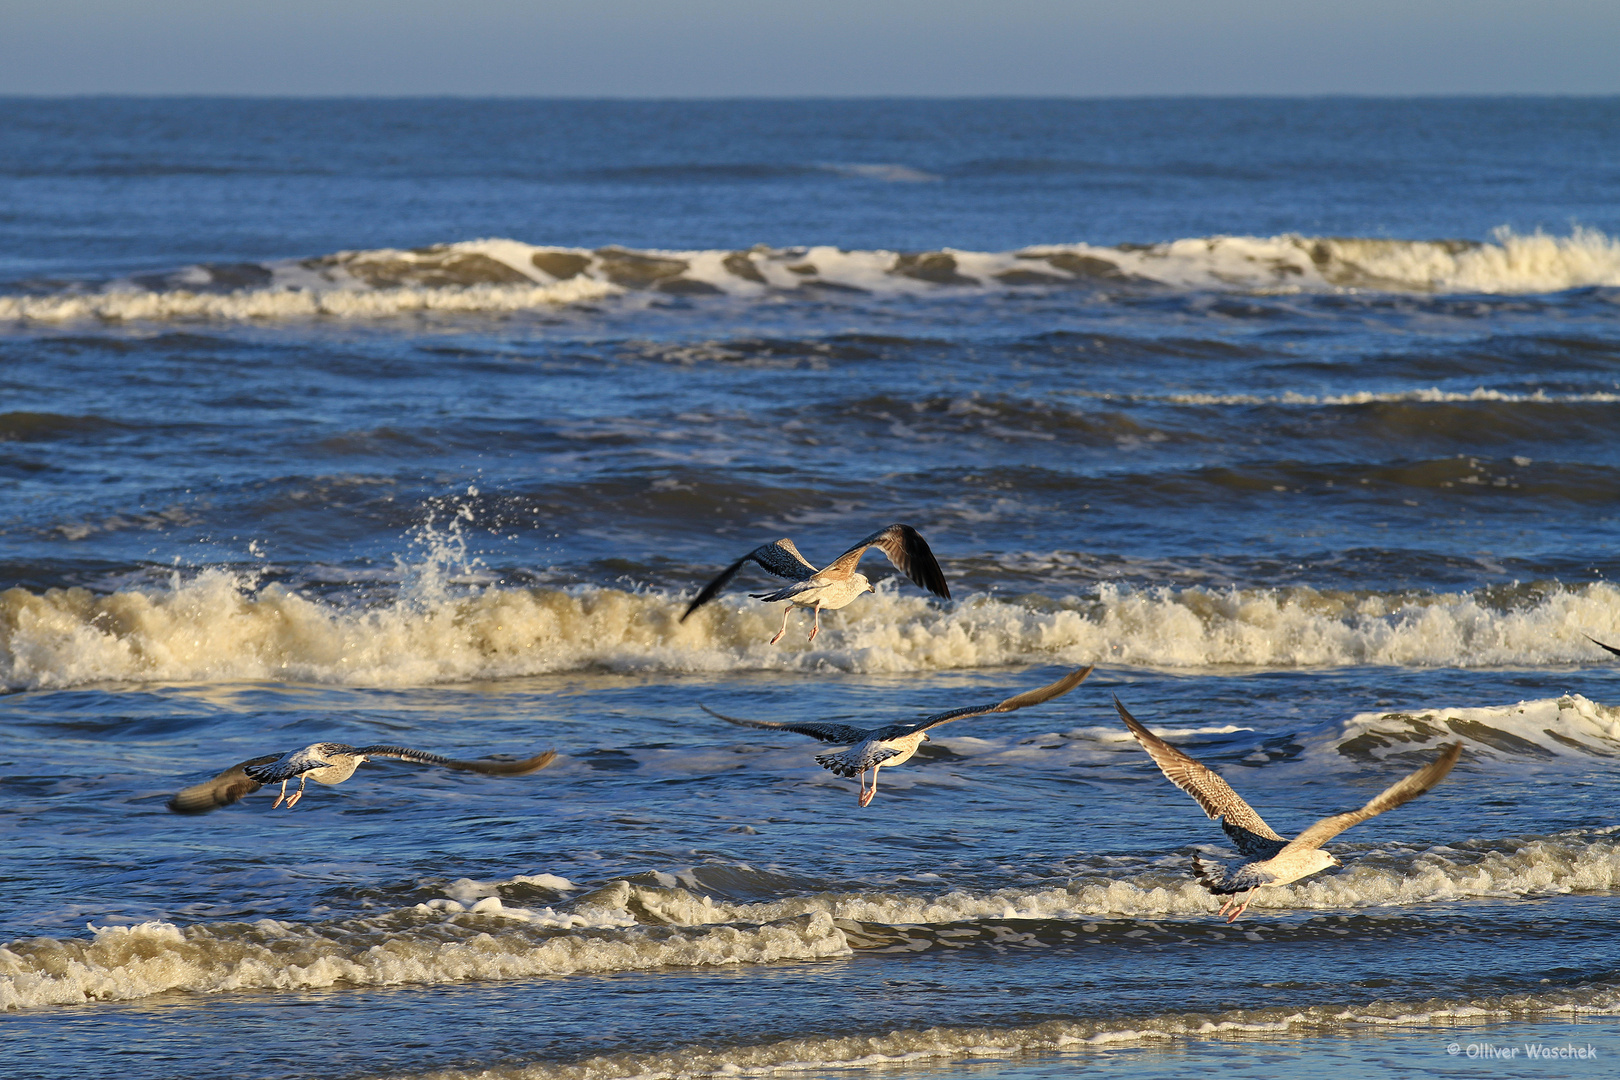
1315	861
866	586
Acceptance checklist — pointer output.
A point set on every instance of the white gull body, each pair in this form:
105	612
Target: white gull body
895	744
1273	860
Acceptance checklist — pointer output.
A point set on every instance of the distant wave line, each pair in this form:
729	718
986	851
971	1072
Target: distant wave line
508	275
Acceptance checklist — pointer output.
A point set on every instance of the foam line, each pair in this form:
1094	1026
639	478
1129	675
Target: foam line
498	275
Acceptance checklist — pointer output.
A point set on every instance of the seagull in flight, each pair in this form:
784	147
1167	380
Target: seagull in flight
837	584
324	763
1272	861
894	744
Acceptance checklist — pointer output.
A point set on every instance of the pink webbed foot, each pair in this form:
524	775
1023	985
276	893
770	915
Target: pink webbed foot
282	797
785	613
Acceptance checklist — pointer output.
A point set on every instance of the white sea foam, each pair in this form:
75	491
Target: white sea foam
1512	867
622	926
440	942
823	1053
216	627
1427	395
508	275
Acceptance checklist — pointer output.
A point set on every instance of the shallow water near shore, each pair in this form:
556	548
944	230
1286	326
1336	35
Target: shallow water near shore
420	423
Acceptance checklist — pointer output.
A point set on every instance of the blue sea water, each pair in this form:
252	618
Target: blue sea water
420	422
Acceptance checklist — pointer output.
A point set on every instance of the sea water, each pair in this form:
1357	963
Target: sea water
420	422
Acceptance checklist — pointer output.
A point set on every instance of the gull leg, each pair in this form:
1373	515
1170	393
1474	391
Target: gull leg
1241	907
299	794
867	795
283	796
816	629
785	613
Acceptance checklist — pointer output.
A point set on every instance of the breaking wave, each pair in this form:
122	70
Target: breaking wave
217	627
810	1054
498	275
441	943
485	931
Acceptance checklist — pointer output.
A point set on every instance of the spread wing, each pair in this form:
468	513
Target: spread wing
493	768
840	734
909	552
780	558
1600	644
224	789
1249	833
1018	701
1401	791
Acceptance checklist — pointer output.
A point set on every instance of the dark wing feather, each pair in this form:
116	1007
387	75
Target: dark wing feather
492	768
1402	791
1600	644
1017	701
906	549
780	558
1249	833
224	789
839	734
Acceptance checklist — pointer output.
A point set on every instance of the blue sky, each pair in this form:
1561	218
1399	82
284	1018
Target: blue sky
749	48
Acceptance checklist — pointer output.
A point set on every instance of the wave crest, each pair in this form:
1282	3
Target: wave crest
216	627
497	275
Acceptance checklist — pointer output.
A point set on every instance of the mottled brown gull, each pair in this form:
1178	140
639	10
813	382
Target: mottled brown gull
1273	860
324	763
836	585
894	744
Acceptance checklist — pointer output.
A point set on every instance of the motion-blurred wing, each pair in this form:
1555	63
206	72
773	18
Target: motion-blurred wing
1018	701
840	734
229	786
1599	644
485	765
1401	791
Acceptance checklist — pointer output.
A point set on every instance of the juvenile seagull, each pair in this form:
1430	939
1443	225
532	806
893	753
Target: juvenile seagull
873	748
837	584
1273	861
324	763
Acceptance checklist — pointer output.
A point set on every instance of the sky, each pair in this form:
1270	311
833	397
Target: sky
809	48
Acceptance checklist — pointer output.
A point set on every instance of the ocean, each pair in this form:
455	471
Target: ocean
420	422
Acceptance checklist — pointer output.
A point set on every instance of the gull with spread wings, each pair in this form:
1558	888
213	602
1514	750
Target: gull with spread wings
324	763
894	744
1272	860
837	584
